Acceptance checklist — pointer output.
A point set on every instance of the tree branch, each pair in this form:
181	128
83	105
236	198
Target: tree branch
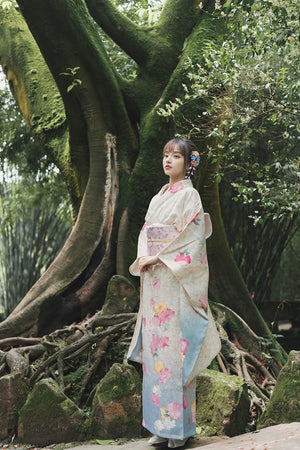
133	39
179	18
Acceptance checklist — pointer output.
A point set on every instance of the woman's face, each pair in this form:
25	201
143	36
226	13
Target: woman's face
174	165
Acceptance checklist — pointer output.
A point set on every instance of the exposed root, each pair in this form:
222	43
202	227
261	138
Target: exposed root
77	356
74	349
234	359
16	341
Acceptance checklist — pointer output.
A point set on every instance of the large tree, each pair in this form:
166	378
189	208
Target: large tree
104	134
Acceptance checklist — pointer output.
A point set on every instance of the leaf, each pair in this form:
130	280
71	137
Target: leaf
69	88
104	441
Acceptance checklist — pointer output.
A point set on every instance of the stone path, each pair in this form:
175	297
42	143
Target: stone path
278	437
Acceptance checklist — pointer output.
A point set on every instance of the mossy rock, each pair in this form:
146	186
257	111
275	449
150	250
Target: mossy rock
13	393
222	403
117	403
49	417
121	296
284	404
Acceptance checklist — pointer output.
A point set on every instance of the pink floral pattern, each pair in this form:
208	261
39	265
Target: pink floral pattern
155	399
162	314
165	375
183	258
176	187
158	343
176	285
184	345
156	283
174	410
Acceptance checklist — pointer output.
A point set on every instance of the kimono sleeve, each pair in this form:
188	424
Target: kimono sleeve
186	257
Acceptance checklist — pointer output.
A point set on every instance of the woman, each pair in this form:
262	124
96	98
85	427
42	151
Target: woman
175	336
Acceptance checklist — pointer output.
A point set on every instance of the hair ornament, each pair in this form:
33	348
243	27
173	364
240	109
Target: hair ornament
195	160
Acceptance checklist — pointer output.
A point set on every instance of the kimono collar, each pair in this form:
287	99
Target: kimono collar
176	186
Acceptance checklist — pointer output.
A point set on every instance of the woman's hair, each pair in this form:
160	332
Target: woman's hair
185	147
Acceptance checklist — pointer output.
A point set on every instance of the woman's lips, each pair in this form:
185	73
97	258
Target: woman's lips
167	167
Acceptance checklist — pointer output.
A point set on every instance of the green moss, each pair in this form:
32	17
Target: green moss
121	381
214	365
284	404
48	416
222	403
125	426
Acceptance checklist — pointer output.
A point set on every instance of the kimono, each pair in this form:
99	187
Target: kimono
175	337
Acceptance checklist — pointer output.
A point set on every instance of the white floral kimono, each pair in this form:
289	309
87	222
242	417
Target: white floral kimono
175	336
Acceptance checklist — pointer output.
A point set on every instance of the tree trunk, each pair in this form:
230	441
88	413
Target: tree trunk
110	154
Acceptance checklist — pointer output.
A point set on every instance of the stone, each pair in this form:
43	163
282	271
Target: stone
50	417
117	403
222	403
121	296
284	403
13	393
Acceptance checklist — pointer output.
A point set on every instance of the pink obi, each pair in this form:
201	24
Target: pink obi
159	236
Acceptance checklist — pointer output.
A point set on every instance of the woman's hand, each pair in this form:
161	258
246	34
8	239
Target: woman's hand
146	261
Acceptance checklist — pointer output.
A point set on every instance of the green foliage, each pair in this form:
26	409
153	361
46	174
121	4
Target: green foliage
141	12
286	283
251	82
17	147
35	216
268	351
35	219
241	103
74	381
71	73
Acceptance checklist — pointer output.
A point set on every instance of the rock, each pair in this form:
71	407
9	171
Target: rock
121	296
117	403
222	403
284	404
13	393
49	417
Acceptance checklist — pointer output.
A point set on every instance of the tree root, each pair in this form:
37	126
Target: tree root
16	341
76	348
233	359
84	347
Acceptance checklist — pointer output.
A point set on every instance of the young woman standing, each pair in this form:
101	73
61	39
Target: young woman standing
175	336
